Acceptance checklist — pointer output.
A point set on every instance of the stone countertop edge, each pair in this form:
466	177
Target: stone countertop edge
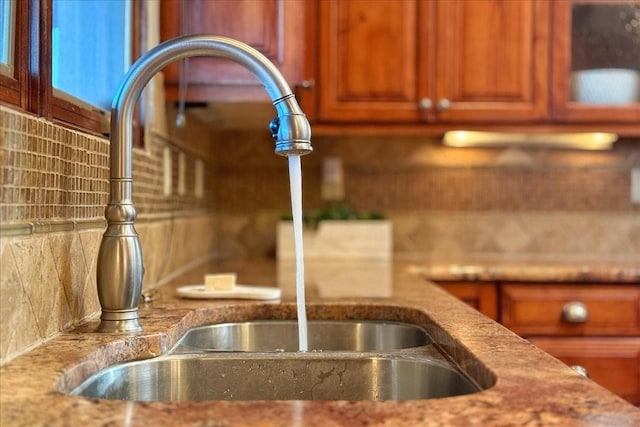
506	269
532	388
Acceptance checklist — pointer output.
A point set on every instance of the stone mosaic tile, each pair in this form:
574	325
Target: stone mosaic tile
230	227
565	234
71	268
90	244
511	236
153	249
53	306
38	276
18	327
50	171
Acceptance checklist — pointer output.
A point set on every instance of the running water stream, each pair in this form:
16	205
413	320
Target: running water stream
295	182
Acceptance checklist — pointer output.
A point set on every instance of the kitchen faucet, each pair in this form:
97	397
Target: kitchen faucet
120	268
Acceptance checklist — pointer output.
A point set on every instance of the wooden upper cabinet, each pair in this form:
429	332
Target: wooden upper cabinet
367	61
423	61
275	28
491	61
596	61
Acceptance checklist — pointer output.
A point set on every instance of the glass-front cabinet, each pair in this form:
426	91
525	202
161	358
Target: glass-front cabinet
596	61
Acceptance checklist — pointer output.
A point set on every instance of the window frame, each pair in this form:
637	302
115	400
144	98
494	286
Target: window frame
7	7
14	89
31	88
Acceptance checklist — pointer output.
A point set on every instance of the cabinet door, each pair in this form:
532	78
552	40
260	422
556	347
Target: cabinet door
492	60
423	61
367	60
596	61
614	363
275	28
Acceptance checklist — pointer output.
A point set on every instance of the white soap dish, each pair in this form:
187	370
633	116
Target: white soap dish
238	292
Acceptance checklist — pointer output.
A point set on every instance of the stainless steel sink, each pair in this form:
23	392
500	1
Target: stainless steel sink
280	376
282	335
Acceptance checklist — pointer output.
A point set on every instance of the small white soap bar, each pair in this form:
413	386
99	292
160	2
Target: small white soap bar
220	282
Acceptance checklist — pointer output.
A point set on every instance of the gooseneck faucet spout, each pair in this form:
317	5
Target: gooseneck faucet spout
120	267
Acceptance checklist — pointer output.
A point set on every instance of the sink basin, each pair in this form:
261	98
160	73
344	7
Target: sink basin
282	335
279	376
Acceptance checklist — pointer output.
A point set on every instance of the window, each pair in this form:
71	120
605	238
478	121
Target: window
15	55
69	56
7	19
90	56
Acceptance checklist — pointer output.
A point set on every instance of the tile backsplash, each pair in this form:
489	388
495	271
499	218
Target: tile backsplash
48	171
443	202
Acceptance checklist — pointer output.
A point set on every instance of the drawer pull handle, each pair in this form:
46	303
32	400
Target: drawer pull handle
575	312
580	370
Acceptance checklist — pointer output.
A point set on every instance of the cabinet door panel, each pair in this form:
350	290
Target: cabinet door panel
367	60
601	37
614	363
273	27
492	60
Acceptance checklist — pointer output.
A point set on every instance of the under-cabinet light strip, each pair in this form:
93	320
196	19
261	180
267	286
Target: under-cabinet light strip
576	141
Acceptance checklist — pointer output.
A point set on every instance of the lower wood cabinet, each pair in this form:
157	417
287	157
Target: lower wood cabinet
614	363
596	309
592	325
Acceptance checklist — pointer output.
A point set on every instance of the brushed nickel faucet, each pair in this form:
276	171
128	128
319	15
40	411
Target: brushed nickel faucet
120	268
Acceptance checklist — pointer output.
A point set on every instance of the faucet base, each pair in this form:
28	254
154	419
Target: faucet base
119	322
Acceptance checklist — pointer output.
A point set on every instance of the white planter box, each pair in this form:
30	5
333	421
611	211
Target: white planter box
338	278
357	239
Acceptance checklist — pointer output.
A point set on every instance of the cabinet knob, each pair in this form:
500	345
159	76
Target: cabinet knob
307	84
443	104
575	312
581	370
425	104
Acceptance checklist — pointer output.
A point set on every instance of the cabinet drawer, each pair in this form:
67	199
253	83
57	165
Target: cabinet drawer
581	309
614	363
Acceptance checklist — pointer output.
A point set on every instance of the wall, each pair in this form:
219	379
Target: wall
53	191
54	188
447	203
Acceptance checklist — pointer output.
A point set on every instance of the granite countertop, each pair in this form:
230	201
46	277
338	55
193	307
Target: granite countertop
532	388
531	269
